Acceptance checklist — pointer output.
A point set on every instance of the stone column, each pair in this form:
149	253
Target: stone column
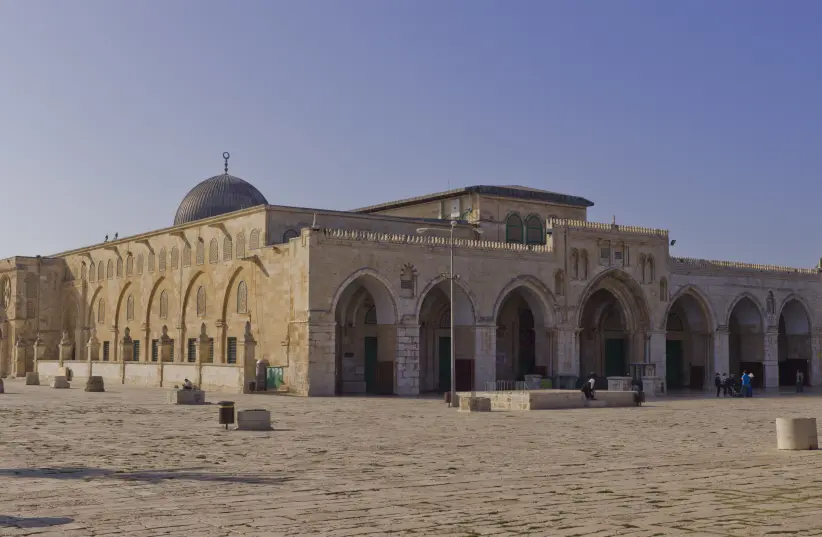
246	350
407	362
203	350
816	359
182	347
113	345
771	362
314	364
66	348
21	347
568	351
654	385
126	353
219	342
146	346
722	358
485	356
39	350
92	350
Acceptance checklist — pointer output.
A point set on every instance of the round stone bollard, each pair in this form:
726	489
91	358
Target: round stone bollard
796	434
32	379
95	384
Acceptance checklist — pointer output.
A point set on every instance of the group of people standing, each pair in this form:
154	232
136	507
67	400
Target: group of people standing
730	386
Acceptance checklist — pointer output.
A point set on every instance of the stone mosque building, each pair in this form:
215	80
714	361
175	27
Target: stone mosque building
348	302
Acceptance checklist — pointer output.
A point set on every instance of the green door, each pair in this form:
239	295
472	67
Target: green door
673	364
445	364
273	377
615	365
371	365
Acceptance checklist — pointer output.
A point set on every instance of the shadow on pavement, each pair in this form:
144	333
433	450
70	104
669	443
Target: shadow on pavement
34	522
150	476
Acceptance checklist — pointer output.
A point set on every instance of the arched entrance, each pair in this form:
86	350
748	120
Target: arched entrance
794	343
435	339
746	340
524	346
613	322
688	344
366	337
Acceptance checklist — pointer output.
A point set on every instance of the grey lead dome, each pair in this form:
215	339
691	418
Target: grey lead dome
218	195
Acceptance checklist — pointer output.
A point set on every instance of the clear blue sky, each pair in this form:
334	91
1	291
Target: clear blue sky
702	117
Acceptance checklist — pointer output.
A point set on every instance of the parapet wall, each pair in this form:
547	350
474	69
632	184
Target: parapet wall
584	225
690	263
430	240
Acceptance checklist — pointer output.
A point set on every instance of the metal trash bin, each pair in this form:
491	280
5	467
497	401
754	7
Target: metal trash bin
226	413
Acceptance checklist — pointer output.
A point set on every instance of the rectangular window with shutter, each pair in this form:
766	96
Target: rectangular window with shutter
231	356
105	351
192	350
155	349
136	357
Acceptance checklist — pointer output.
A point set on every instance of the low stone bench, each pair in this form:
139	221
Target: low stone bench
475	404
254	420
60	382
95	384
796	434
32	379
185	397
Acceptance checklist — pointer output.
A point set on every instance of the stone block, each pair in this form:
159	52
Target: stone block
796	434
65	372
185	397
254	420
619	384
60	382
32	379
95	384
475	404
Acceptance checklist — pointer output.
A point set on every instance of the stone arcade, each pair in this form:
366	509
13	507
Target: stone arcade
356	301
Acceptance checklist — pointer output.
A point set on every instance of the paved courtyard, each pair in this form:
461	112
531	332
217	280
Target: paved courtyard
125	463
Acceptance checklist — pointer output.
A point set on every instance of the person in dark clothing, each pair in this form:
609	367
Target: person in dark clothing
718	384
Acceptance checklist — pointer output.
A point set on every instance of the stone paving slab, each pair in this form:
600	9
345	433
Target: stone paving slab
125	463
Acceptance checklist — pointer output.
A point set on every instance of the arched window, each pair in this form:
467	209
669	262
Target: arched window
101	311
254	240
533	230
162	261
164	305
101	271
663	290
213	251
200	252
129	266
130	308
151	261
513	229
651	269
583	264
139	264
186	256
228	248
242	298
559	283
289	234
119	267
240	245
83	271
109	270
445	320
31	285
371	315
574	264
201	301
175	258
642	268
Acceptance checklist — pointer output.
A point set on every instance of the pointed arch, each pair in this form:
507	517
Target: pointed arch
254	240
119	304
195	281
119	267
514	229
536	294
101	271
472	300
228	248
129	266
240	273
290	234
701	298
101	310
151	296
628	293
200	252
91	319
175	258
163	304
240	245
742	296
161	264
186	256
213	251
802	301
534	230
242	297
378	286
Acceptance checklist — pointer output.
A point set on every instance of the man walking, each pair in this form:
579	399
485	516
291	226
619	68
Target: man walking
747	390
800	382
718	384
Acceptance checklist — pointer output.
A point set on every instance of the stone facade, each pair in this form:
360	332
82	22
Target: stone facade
360	301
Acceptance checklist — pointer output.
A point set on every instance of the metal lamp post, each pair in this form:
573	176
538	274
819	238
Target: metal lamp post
451	277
